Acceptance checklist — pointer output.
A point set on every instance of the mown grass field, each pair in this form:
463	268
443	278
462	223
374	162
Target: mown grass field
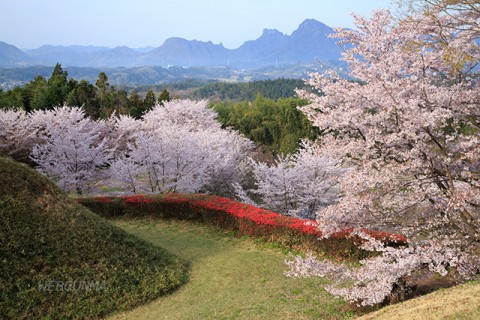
230	278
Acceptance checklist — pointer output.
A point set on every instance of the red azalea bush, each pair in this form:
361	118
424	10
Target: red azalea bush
243	219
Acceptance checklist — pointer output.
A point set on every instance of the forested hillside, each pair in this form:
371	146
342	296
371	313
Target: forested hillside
276	124
273	89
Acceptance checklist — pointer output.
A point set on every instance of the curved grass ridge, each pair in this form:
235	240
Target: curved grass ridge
243	219
59	260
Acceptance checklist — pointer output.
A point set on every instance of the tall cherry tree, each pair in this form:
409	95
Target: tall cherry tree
74	150
16	134
409	127
298	184
179	146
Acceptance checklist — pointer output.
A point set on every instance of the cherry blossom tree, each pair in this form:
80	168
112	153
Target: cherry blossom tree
74	149
179	146
385	276
409	127
16	137
463	14
298	184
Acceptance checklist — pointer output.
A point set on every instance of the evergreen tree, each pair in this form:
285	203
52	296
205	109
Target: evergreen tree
135	105
84	95
149	101
57	87
104	97
35	94
164	97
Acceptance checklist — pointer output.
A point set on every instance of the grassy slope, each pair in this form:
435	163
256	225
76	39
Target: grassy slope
45	238
236	278
461	302
230	278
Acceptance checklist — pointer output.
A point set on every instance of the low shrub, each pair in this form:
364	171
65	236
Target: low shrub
243	219
59	260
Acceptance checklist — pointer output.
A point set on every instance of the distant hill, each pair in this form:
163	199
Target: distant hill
262	51
11	56
181	52
84	56
311	41
308	43
144	49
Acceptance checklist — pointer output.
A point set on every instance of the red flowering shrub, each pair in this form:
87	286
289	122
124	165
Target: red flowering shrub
244	219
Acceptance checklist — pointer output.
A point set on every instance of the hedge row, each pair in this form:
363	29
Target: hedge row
242	219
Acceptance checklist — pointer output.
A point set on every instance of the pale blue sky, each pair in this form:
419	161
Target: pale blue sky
139	23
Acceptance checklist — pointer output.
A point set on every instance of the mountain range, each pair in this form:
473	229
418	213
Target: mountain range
308	43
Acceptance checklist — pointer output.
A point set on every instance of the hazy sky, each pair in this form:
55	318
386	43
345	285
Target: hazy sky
138	23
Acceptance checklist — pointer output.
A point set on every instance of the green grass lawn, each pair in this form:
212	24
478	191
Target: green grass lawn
230	278
460	302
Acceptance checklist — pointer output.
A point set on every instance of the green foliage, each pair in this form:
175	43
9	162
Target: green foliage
41	94
164	96
135	105
149	100
273	89
99	101
460	128
277	124
59	260
85	94
11	99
